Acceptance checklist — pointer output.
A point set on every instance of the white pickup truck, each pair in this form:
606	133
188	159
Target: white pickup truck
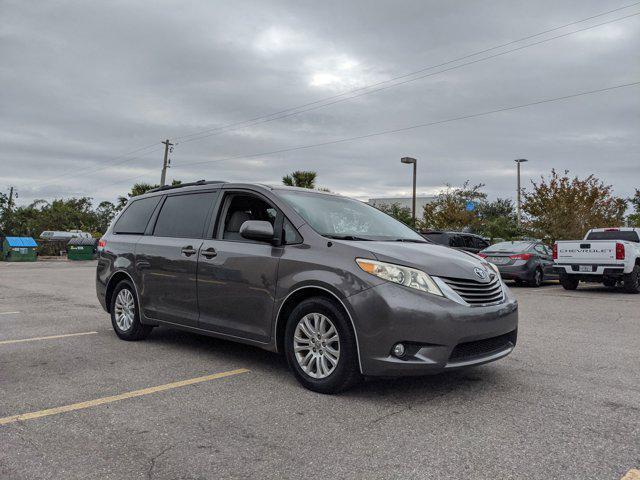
605	255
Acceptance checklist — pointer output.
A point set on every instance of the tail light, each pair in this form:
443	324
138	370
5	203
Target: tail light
483	255
611	229
101	244
619	251
521	256
555	251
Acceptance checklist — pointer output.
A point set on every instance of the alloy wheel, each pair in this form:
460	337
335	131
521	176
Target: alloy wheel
125	309
316	345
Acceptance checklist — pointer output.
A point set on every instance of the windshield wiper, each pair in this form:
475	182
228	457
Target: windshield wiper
410	240
348	237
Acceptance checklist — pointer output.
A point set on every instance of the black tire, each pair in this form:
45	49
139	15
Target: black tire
347	372
137	331
568	282
632	280
538	278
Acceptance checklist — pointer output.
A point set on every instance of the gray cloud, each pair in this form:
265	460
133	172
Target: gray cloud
82	83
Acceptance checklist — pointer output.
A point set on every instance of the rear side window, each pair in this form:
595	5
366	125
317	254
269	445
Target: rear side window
628	235
184	216
135	218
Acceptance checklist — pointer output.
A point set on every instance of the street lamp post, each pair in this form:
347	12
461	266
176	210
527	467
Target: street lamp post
410	160
518	203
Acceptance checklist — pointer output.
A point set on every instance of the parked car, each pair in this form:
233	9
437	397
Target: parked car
527	261
468	242
341	288
606	255
52	235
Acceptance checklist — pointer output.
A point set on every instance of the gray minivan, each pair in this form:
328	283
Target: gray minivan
342	289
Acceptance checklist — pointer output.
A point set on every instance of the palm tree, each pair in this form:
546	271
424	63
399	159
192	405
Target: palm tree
300	178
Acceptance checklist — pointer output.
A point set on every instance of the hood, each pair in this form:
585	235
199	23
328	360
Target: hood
436	260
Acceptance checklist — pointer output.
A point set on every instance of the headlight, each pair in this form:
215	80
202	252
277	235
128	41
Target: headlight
409	277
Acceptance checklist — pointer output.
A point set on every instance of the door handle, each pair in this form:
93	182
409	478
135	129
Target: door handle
209	252
188	251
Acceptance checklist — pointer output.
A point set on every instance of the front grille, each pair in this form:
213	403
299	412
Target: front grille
477	293
483	348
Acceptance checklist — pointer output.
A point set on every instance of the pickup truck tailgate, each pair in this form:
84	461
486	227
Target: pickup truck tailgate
586	251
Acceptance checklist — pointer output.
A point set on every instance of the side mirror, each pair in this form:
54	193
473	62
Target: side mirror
257	230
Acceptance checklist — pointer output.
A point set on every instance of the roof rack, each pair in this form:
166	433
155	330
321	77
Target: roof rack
180	185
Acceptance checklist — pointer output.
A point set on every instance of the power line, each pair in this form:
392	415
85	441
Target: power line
338	98
365	89
420	125
392	131
126	158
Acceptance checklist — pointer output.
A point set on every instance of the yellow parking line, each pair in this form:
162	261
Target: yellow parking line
20	340
632	474
115	398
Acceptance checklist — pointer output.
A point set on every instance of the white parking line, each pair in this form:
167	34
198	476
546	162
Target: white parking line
8	313
632	474
116	398
20	340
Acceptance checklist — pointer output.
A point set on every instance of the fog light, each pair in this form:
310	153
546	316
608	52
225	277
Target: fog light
398	350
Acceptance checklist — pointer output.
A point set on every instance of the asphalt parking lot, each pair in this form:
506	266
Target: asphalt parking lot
565	404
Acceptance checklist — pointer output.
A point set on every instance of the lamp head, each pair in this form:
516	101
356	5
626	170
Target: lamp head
521	160
408	160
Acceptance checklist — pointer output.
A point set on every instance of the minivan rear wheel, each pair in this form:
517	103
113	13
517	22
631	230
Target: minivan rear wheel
320	346
125	316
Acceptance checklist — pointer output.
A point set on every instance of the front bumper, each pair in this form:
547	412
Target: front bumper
439	334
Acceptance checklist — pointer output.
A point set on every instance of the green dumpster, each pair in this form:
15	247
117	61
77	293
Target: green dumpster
79	248
19	249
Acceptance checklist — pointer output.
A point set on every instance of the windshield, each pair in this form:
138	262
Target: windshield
627	235
340	217
508	247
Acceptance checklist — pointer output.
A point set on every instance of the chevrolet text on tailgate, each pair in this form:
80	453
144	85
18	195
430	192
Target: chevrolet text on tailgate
605	255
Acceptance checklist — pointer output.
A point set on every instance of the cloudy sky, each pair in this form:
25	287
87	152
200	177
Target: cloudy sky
89	89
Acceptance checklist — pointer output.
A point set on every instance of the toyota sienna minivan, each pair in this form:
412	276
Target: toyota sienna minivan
342	289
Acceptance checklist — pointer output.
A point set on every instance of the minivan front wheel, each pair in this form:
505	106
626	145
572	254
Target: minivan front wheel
125	317
320	346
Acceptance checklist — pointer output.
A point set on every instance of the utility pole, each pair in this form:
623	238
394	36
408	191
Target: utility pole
518	202
10	204
409	160
165	164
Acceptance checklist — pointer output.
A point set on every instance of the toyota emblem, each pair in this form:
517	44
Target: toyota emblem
481	273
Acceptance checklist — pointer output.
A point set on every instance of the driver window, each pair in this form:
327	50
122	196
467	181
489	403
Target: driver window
243	208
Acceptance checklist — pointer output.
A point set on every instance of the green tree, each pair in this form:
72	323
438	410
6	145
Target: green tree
104	213
300	178
398	212
498	219
633	220
59	214
449	210
560	208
